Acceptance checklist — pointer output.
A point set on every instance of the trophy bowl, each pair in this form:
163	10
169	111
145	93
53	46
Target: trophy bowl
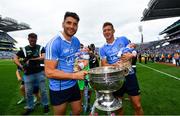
106	80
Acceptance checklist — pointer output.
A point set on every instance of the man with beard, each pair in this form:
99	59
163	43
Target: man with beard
33	55
59	62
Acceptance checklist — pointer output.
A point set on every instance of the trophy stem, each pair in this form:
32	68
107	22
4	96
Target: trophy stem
106	80
107	102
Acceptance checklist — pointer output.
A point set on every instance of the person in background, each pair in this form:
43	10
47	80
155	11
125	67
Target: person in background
93	60
84	85
22	88
145	57
19	73
139	57
134	53
177	57
33	55
59	63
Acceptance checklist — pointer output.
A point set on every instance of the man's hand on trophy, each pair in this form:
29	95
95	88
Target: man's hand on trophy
123	66
127	56
80	75
115	64
127	64
119	63
123	63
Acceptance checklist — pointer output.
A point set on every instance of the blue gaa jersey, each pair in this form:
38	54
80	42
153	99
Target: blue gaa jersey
63	51
110	51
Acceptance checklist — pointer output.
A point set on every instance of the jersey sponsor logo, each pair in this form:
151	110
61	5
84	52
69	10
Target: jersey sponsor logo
70	59
66	50
112	54
112	57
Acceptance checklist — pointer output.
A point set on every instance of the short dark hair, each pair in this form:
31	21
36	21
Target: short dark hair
71	14
92	47
32	35
81	45
108	24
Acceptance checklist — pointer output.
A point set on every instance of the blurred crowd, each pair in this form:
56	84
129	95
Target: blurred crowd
169	53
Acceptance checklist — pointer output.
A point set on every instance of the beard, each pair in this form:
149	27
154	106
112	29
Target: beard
69	33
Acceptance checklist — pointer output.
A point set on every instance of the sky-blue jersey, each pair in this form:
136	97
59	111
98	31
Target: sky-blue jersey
63	51
110	51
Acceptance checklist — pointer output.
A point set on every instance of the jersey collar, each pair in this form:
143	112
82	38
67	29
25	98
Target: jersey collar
63	38
110	43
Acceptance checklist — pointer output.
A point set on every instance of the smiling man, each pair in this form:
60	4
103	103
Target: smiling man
59	63
109	54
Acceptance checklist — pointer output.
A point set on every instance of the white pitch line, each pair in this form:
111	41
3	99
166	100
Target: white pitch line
160	71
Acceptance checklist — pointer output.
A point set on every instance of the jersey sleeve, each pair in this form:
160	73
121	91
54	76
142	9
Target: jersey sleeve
51	50
102	53
124	40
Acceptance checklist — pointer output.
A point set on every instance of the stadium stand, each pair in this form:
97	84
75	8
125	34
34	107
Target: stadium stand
161	9
172	32
163	50
7	43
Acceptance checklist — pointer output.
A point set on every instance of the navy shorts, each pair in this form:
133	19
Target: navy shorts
67	95
130	86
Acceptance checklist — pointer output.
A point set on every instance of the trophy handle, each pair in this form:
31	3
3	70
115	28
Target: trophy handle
126	71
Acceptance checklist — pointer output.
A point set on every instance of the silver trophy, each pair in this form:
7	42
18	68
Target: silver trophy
106	80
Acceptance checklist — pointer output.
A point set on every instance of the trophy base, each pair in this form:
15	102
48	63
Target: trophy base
107	102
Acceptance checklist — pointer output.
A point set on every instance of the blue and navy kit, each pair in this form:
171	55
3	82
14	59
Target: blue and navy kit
110	53
63	51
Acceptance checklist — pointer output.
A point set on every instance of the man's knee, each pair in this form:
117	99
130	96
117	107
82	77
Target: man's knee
77	111
138	106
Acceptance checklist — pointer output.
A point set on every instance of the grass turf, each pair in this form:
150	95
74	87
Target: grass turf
159	93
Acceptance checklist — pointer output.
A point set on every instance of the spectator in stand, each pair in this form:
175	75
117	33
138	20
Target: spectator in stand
152	57
162	57
145	55
139	57
169	57
177	57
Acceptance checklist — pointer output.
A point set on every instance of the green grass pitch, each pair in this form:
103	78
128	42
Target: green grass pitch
160	94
